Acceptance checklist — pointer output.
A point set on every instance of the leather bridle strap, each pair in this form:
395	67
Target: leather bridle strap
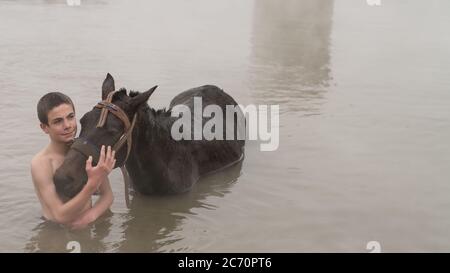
108	107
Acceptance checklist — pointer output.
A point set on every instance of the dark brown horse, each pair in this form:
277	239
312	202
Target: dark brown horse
157	163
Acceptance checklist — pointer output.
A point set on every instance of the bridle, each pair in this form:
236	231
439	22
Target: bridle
87	148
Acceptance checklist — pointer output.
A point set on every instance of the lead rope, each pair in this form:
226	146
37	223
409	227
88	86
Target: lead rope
126	176
126	179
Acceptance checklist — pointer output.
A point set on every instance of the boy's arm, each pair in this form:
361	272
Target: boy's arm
63	213
103	203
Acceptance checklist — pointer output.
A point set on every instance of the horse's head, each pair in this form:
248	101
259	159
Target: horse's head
71	176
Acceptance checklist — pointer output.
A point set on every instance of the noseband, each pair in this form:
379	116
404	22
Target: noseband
87	148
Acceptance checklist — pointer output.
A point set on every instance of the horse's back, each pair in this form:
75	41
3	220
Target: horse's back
210	94
215	154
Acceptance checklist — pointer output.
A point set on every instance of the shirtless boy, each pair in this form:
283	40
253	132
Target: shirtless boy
56	114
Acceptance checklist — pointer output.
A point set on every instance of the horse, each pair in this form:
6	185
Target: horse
156	162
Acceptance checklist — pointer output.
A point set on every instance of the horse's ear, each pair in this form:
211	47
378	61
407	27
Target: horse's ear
142	98
108	86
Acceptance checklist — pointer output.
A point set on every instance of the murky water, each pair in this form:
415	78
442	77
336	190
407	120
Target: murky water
364	125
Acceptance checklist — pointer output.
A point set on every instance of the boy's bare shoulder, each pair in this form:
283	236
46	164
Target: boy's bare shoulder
41	165
40	159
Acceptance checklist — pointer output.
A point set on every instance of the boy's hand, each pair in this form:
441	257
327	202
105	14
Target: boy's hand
106	162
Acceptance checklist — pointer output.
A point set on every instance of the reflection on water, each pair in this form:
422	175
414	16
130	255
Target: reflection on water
290	52
51	237
150	224
145	232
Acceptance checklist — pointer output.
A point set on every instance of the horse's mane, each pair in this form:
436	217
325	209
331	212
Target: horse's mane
157	121
156	113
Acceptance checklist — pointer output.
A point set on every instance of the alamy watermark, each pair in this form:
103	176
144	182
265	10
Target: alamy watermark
373	3
74	247
373	246
73	2
237	123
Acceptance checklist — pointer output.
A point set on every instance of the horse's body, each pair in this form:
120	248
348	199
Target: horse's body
159	164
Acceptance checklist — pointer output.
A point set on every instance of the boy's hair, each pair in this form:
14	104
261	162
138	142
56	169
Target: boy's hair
50	101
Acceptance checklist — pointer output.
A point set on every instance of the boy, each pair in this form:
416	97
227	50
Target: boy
56	114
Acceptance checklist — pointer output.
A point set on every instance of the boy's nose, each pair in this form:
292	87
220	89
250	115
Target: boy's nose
67	124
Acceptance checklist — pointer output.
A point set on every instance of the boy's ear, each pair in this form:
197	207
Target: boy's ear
44	128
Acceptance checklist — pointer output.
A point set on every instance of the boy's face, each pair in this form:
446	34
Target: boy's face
62	124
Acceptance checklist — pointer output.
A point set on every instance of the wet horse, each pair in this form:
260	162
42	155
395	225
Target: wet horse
156	162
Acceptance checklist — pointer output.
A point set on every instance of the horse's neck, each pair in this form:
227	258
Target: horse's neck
158	162
153	149
154	130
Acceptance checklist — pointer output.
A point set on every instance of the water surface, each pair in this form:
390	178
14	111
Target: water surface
364	120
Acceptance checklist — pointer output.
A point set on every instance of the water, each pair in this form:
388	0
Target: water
364	120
